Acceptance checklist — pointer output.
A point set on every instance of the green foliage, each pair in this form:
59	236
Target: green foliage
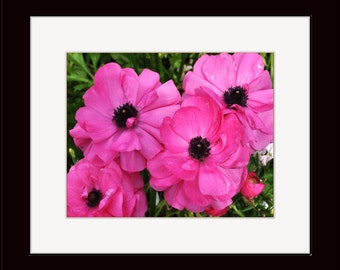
81	68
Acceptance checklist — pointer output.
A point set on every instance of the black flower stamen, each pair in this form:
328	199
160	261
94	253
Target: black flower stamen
199	148
236	95
94	198
123	113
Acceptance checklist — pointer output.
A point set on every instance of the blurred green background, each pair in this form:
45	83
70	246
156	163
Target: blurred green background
81	68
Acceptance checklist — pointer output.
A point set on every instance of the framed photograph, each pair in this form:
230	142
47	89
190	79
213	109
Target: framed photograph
192	132
65	53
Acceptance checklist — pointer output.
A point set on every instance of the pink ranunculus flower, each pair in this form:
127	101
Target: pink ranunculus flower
123	113
217	213
239	84
204	161
104	191
252	186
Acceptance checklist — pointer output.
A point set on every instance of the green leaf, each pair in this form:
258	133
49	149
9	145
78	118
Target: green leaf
160	206
81	86
122	59
79	59
77	78
176	60
94	58
268	175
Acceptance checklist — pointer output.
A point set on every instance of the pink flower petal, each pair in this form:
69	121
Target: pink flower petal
249	67
155	117
111	179
130	84
141	204
221	205
239	158
85	173
156	166
171	196
218	181
182	166
102	151
74	191
262	82
106	200
80	137
153	131
199	63
137	180
171	139
232	136
148	80
161	184
115	205
149	145
129	195
220	150
145	101
210	116
261	100
99	101
185	122
129	205
219	70
267	117
126	140
196	201
132	161
108	80
167	93
261	140
234	178
212	181
255	122
98	126
194	84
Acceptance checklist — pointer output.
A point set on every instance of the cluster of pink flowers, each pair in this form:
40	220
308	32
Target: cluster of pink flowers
196	146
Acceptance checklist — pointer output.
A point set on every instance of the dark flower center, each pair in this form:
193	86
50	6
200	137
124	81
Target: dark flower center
94	198
199	148
123	113
236	95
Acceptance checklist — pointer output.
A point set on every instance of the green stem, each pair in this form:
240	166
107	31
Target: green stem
169	214
239	198
237	211
152	202
248	209
190	214
181	67
159	207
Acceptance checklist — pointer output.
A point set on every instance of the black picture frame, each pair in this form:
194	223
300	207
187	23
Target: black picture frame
15	133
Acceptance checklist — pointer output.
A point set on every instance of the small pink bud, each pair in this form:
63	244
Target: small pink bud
130	122
217	213
252	187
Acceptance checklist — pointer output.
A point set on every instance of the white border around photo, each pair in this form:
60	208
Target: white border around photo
287	232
